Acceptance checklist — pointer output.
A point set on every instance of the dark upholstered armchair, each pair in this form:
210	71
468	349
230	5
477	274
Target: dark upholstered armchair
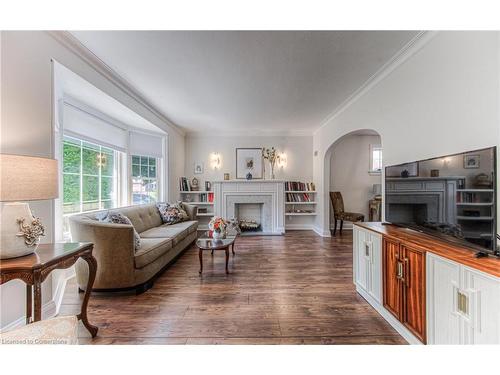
340	214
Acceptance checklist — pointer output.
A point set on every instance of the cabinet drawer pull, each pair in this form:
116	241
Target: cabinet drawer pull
399	274
463	303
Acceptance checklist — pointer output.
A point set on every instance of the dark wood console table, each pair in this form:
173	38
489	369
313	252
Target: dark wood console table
33	270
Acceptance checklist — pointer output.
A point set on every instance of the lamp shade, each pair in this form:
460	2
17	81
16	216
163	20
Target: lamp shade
27	178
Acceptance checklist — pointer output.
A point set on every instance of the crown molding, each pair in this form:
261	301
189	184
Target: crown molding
410	48
78	48
250	133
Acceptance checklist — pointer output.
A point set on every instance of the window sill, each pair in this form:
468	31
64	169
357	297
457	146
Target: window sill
374	173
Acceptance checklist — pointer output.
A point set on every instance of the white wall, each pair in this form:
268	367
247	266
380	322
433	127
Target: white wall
443	98
349	165
27	118
199	148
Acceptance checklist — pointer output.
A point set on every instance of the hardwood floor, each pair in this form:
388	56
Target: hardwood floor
292	289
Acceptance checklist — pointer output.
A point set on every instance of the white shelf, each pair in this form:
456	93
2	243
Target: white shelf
476	190
201	203
300	191
205	214
477	218
300	202
195	192
474	204
300	213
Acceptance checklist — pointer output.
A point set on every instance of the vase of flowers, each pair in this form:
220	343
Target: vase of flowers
272	156
218	227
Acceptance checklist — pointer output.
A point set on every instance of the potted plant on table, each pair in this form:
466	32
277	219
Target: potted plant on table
218	227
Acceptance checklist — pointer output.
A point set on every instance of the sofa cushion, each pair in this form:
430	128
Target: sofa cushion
177	232
172	213
143	217
118	218
151	249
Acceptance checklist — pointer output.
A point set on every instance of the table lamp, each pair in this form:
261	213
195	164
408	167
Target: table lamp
23	178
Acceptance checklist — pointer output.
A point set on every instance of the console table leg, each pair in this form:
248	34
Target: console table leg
37	296
29	303
83	314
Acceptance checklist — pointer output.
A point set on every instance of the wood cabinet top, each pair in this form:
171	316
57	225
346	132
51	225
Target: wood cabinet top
457	253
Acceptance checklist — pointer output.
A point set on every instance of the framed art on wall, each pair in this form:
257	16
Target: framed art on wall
249	161
198	168
471	161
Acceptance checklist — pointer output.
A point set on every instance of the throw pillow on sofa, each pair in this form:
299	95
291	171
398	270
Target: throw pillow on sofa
172	213
118	218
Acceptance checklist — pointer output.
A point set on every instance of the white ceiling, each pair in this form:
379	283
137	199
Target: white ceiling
233	81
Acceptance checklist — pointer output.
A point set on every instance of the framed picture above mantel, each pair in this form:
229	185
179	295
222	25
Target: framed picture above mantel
249	163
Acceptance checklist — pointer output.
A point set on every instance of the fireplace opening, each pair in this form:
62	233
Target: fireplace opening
249	217
410	213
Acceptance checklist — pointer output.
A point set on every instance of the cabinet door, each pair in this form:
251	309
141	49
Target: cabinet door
361	257
443	280
483	303
413	316
376	266
391	269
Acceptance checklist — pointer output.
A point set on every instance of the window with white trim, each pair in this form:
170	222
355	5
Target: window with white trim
375	159
145	187
90	177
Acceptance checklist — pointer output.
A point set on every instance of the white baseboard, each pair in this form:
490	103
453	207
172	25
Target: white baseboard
50	308
322	233
346	226
396	324
298	227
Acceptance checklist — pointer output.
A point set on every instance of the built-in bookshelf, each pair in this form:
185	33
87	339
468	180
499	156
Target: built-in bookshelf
202	199
300	204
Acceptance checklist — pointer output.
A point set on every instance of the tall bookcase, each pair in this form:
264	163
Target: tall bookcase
205	203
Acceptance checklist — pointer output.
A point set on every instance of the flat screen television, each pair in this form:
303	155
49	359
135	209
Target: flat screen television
452	197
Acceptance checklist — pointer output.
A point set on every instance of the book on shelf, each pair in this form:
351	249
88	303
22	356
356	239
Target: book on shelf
184	184
299	186
298	197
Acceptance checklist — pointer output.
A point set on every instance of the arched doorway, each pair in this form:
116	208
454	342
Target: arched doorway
348	169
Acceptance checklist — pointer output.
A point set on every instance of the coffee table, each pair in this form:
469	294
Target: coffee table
206	242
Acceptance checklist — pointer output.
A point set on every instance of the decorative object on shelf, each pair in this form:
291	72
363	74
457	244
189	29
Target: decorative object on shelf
471	161
218	227
226	177
248	176
396	170
198	168
195	184
23	178
482	180
249	160
208	186
216	160
272	156
434	172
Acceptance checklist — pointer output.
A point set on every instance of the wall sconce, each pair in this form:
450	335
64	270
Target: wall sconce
216	160
282	161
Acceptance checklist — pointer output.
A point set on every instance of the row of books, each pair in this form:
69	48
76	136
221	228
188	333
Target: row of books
299	186
299	197
207	197
184	184
468	197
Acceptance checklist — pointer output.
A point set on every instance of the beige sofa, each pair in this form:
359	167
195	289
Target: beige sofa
119	265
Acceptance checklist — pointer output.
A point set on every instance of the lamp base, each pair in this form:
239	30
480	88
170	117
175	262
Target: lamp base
12	242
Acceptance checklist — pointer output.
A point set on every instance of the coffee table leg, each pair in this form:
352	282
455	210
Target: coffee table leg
227	259
90	283
232	248
200	255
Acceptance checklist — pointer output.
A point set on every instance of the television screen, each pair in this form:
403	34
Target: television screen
452	197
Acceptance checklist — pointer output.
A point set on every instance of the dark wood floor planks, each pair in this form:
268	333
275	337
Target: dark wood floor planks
292	289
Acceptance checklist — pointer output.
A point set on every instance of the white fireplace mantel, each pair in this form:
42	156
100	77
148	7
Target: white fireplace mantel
270	193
